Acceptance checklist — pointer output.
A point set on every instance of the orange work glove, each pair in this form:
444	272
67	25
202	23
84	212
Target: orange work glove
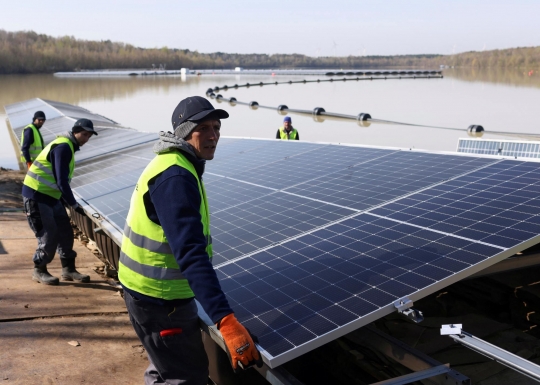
242	350
28	164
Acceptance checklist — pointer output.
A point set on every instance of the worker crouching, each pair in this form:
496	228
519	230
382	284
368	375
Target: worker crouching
45	185
165	260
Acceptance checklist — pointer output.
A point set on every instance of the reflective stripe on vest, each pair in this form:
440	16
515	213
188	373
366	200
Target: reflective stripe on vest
153	272
36	147
283	134
147	264
146	243
40	176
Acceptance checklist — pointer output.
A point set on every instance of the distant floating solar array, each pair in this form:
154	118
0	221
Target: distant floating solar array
313	240
510	148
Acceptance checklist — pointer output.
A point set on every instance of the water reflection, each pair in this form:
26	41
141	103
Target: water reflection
504	101
15	88
495	75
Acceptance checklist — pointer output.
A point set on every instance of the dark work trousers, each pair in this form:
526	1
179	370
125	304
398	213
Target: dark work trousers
52	229
174	359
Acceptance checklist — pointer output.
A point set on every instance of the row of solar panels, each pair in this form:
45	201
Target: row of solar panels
315	240
510	148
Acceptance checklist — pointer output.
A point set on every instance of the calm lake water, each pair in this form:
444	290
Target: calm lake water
503	101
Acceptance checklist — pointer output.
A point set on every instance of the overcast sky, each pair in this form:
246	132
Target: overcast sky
315	27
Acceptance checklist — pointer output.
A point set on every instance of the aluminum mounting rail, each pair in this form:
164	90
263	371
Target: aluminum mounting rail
497	354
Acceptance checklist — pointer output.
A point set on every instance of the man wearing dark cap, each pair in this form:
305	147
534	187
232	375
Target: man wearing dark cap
31	139
45	185
287	132
165	261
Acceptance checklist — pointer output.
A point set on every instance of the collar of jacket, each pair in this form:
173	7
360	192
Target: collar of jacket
69	135
170	142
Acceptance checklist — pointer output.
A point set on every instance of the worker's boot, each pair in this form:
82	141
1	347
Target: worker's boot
70	274
41	275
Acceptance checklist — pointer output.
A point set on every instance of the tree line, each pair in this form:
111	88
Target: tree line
27	52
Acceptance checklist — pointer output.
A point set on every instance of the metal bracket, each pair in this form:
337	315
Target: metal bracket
493	352
452	329
404	306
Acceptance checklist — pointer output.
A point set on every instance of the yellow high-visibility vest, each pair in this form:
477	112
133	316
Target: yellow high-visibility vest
40	176
283	134
147	264
36	147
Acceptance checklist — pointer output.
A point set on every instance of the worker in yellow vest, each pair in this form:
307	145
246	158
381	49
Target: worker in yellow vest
31	140
45	185
287	131
165	259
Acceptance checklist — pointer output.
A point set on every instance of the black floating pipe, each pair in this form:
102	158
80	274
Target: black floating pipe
232	101
363	116
474	128
317	114
225	87
318	110
212	95
209	91
282	109
235	86
216	88
253	105
219	98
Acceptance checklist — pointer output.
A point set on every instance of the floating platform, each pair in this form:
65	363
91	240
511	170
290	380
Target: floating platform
325	72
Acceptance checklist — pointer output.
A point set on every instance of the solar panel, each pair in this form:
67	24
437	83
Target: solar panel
313	240
62	116
514	148
321	285
20	114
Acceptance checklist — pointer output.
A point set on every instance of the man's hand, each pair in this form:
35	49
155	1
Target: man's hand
79	209
28	164
241	347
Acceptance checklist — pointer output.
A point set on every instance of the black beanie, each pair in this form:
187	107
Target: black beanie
39	115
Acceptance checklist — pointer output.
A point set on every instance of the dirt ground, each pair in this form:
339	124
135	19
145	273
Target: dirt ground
10	188
72	333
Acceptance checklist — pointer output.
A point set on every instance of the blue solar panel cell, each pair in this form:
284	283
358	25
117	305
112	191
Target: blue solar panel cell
474	210
321	285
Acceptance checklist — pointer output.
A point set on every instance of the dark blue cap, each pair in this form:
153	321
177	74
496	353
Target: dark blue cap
287	119
85	124
195	109
39	115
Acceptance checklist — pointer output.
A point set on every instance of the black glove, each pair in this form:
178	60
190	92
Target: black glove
80	210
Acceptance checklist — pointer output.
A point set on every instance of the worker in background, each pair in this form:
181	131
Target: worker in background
45	185
287	132
31	139
165	260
